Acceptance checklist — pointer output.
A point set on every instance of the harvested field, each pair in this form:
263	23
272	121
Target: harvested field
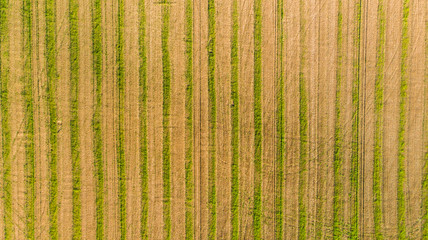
213	119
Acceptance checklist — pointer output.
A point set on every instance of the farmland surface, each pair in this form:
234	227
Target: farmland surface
213	119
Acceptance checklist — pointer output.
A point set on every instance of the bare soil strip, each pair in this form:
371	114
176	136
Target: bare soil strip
268	48
178	118
65	177
86	109
200	71
12	56
312	72
425	140
223	90
131	118
41	125
292	135
391	116
415	147
154	121
326	108
367	119
246	127
110	120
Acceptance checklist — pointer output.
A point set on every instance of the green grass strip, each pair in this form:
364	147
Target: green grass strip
74	121
355	159
257	209
143	121
234	94
189	119
425	154
121	161
338	155
212	118
30	193
52	78
378	146
166	151
401	201
303	127
321	179
97	68
280	127
6	137
320	205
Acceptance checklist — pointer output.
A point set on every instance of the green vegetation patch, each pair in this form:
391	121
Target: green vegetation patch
166	151
52	78
338	155
379	99
29	121
401	200
74	121
121	162
280	127
6	137
189	119
212	112
354	174
234	94
143	120
257	209
303	119
97	68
